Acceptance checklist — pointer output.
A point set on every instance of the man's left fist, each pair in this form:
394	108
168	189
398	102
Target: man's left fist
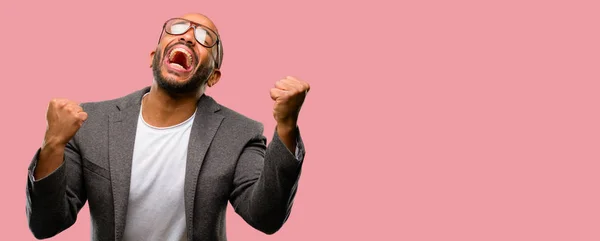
288	94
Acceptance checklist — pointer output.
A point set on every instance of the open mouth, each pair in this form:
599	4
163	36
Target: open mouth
180	59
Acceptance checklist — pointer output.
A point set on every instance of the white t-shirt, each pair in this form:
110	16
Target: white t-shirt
156	209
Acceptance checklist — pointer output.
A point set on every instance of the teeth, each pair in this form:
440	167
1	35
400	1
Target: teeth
183	51
176	65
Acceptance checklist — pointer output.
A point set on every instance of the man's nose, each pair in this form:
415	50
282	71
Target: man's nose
188	37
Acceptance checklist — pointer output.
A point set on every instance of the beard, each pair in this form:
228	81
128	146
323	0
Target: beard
196	82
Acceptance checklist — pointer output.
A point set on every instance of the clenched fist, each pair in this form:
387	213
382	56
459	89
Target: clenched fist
288	94
64	118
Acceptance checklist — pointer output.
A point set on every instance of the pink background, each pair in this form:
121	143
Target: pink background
427	120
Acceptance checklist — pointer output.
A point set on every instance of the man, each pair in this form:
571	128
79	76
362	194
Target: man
163	162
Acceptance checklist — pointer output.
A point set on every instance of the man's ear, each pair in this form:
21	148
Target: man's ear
152	57
214	78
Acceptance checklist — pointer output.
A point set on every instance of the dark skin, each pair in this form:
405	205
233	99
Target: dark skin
162	108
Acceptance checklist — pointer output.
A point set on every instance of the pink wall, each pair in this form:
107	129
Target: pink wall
426	120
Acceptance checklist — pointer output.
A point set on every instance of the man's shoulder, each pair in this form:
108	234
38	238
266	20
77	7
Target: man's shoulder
102	106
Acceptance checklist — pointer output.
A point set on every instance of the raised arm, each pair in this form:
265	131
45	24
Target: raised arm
266	179
55	191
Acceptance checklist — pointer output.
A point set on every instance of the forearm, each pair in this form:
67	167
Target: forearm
288	135
50	158
266	202
47	212
269	203
55	198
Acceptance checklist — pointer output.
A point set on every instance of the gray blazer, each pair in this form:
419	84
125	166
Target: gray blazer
228	161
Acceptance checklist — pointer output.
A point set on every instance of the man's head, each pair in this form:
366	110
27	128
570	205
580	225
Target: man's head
188	56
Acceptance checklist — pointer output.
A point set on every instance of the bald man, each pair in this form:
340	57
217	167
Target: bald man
163	162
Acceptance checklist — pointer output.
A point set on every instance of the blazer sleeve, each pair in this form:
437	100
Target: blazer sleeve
54	201
265	182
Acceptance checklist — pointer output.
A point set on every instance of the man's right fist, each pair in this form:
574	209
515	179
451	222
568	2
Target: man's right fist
64	118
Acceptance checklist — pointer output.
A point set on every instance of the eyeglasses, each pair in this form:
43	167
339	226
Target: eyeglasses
203	35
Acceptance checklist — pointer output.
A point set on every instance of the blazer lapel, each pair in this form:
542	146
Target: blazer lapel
204	128
122	131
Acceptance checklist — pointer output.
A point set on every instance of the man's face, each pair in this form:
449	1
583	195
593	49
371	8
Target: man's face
180	64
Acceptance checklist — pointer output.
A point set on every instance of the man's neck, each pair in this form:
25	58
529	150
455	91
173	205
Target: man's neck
160	109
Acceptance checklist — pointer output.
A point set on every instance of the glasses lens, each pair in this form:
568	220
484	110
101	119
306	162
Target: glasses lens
205	36
177	26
